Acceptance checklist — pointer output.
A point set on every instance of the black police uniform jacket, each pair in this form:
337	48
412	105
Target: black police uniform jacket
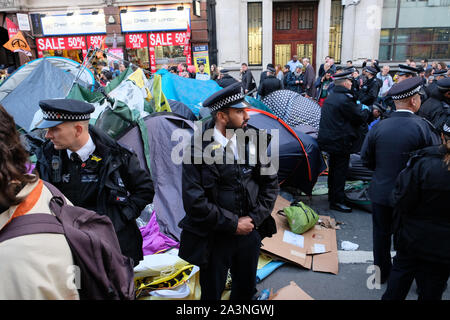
216	195
435	109
422	218
124	187
368	93
388	146
341	122
226	81
269	85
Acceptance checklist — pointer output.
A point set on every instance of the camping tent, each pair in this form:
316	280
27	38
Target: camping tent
85	76
191	92
293	108
166	169
300	159
44	82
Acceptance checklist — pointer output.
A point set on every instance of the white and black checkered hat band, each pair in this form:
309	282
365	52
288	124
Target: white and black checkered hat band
407	94
58	116
227	101
446	128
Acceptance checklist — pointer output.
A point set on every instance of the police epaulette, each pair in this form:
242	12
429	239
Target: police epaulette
431	125
349	95
126	147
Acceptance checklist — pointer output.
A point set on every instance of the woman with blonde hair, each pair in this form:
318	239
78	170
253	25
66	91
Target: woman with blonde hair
35	266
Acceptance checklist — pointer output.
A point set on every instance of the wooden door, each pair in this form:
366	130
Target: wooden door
294	31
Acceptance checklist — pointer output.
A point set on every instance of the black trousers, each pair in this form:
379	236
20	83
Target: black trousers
239	254
382	235
337	170
430	278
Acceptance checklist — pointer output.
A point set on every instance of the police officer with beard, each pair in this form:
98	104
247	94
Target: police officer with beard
228	200
340	135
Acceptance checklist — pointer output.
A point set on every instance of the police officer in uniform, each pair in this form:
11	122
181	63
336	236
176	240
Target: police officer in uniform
269	84
368	93
386	150
437	108
228	200
93	171
224	79
422	226
339	134
438	75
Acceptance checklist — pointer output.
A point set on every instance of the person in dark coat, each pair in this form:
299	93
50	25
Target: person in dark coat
248	82
296	81
422	228
269	84
93	171
264	73
368	94
438	75
310	76
339	129
224	79
228	198
437	108
386	150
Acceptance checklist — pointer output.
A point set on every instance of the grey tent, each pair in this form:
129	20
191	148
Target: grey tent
293	108
44	82
165	162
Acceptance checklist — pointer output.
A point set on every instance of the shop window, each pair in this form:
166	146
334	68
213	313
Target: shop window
283	18
170	55
254	33
336	21
405	35
305	17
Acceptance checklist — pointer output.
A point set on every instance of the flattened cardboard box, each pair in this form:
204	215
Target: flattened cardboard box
291	292
315	249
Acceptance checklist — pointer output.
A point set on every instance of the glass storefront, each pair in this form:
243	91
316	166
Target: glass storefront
170	55
415	29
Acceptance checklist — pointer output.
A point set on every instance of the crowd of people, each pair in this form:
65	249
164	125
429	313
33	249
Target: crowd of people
400	127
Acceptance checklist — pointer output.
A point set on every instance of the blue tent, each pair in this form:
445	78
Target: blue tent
44	82
189	91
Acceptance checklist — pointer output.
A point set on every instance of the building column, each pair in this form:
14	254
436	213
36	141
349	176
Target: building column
348	33
267	41
323	31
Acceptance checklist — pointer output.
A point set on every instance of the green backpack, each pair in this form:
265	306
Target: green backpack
300	217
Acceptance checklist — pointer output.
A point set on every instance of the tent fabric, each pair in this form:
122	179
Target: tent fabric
85	77
300	159
166	173
191	92
293	108
258	104
44	82
153	240
181	109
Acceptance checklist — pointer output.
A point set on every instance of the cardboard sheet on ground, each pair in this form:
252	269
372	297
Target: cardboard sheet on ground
315	249
291	292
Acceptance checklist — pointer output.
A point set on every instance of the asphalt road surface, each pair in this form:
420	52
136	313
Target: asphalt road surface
351	283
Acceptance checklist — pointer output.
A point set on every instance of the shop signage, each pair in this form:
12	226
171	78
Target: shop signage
24	23
12	28
167	39
201	56
136	40
85	23
96	41
162	19
61	43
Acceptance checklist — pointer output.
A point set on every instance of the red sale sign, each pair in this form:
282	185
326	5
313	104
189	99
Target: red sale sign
96	41
12	28
167	39
136	41
60	43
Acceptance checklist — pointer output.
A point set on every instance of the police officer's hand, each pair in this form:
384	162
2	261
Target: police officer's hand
245	225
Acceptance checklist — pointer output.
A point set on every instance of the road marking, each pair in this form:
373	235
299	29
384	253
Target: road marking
357	256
